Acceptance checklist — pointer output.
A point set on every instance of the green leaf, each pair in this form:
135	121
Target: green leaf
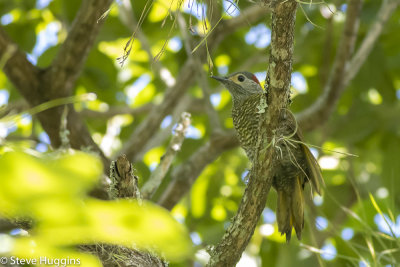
23	34
26	179
47	57
144	225
51	190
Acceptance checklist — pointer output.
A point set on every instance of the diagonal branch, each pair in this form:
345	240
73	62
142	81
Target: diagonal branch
150	125
247	17
186	174
116	110
319	112
192	105
385	12
142	134
174	146
39	86
72	55
59	79
238	234
159	138
17	68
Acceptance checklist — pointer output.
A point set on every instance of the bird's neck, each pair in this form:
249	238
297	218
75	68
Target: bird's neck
245	99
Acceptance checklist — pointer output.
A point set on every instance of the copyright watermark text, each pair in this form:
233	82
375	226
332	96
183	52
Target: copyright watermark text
41	260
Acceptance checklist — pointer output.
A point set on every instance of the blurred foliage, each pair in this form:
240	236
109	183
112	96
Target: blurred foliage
50	193
345	227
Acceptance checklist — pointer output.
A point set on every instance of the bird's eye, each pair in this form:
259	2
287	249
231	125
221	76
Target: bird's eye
240	78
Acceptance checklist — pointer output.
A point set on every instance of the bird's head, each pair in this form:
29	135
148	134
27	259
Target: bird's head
241	84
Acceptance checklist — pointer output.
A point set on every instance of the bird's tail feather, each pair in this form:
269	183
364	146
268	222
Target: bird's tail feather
290	211
315	171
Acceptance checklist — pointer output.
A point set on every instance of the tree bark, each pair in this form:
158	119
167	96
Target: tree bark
239	233
41	85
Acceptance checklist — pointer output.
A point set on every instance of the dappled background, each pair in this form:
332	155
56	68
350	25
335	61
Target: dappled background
174	47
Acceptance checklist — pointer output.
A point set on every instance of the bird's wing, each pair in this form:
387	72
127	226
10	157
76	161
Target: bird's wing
314	169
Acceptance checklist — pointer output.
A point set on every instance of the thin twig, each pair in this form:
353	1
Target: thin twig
128	46
13	108
142	134
12	118
184	176
174	146
10	49
146	129
159	138
128	19
201	76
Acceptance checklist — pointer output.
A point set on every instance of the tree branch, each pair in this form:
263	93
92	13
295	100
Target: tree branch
158	139
324	106
72	55
39	86
13	107
385	12
185	174
246	18
326	52
60	78
124	184
238	234
150	125
192	105
201	76
80	137
147	128
174	146
17	68
114	111
183	178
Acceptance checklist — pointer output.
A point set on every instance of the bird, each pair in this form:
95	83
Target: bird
294	165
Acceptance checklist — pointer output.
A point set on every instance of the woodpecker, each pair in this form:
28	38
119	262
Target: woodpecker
294	165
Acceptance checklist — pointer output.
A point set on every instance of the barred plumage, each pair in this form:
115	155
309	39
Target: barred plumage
294	165
245	119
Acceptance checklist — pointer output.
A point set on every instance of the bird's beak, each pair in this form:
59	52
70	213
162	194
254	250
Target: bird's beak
220	79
